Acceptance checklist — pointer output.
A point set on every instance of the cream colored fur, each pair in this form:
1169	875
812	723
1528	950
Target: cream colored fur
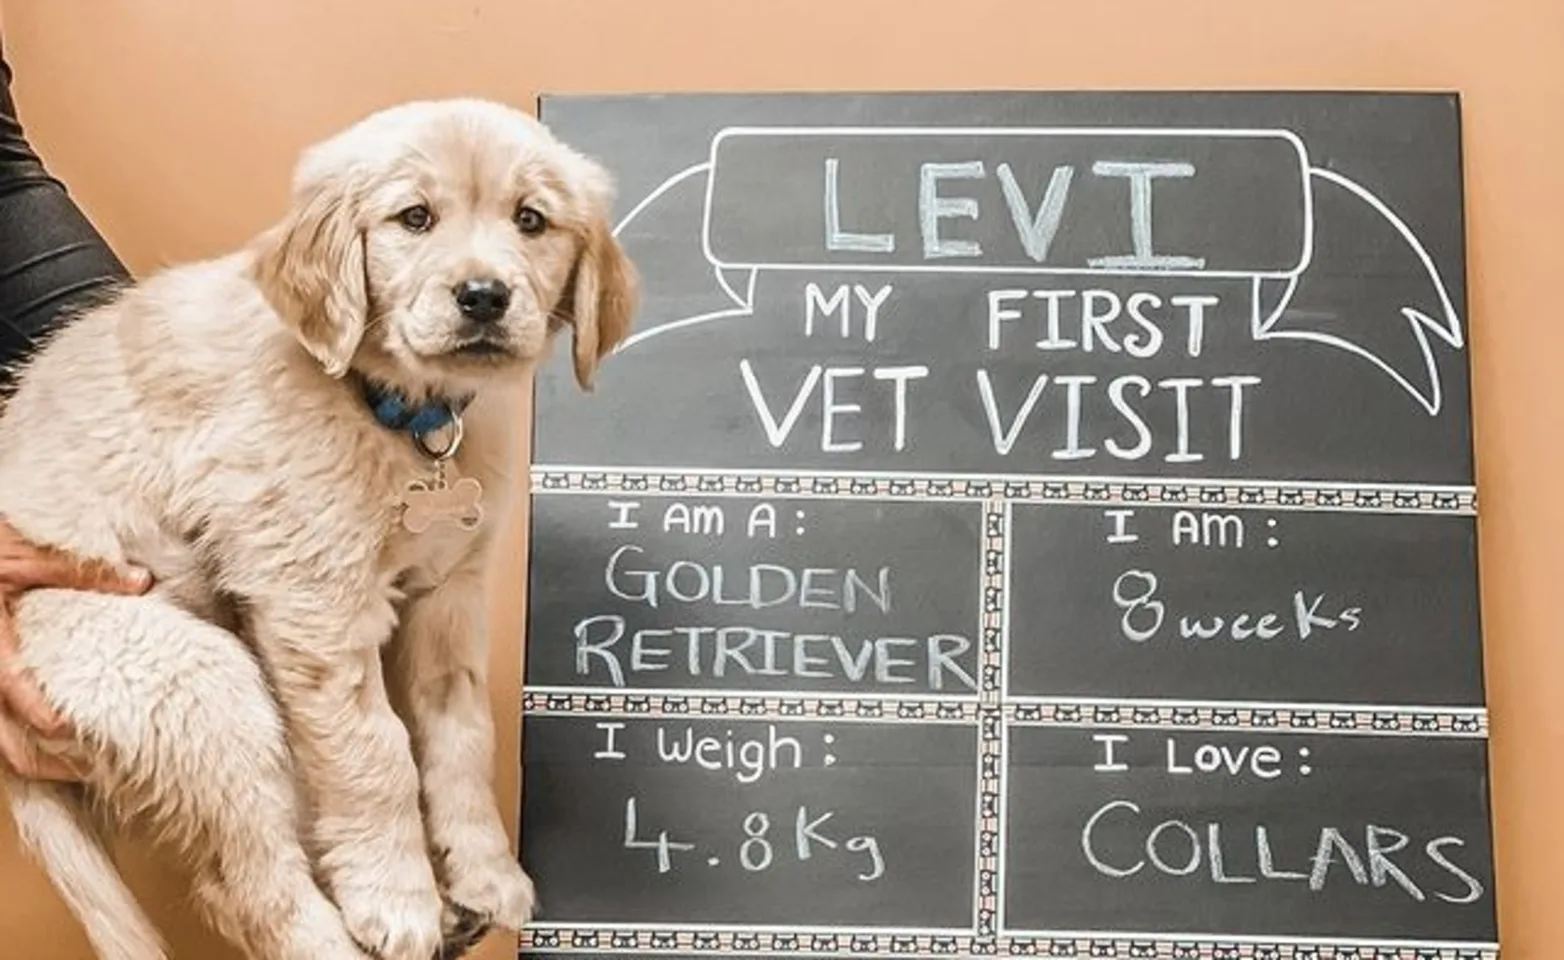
300	703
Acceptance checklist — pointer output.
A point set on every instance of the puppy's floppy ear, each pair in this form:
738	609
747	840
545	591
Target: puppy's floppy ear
310	267
601	299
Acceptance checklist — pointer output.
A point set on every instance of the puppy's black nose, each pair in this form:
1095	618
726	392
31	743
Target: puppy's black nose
483	300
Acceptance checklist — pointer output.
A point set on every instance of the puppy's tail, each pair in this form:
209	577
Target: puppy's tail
56	827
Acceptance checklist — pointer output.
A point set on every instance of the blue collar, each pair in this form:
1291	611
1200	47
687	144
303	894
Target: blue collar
394	411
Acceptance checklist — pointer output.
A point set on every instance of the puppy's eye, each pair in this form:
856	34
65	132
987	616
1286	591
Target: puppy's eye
416	219
530	221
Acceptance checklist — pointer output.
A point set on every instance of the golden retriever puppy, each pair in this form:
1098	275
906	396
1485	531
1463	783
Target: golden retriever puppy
312	443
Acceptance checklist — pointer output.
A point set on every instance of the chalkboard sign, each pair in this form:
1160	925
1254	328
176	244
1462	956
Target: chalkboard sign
1020	524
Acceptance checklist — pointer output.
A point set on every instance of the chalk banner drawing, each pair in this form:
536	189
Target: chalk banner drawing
1271	283
1018	525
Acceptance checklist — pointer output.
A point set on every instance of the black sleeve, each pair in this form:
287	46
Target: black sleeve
52	259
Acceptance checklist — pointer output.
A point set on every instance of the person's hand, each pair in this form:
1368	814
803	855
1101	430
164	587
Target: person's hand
25	716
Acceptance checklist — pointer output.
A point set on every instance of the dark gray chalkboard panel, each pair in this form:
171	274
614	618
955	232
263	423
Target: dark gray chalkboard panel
842	596
897	801
1362	836
1380	204
1244	605
903	365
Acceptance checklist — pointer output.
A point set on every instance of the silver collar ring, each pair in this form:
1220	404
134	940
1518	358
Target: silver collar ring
448	451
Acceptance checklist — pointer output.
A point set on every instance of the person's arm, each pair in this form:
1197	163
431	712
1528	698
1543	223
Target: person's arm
52	262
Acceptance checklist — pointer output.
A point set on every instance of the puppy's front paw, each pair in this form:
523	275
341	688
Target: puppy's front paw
493	890
464	930
392	922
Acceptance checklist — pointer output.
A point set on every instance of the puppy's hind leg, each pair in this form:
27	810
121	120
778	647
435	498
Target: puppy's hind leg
188	736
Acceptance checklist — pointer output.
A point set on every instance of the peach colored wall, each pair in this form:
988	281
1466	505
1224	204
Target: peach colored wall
175	123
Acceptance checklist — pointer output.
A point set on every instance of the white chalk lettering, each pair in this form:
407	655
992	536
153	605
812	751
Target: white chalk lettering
1135	593
1474	890
806	833
609	751
1205	529
838	239
885	664
999	313
1263	762
664	846
1142	431
1072	449
1154	848
608	650
944	648
703	520
1180	386
1140	176
854	666
932	208
1381	867
644	657
1121	526
839	303
1099	308
1175	848
900	376
1197	319
696	576
1148	341
1092	858
762	517
1109	764
777	432
870	846
747	758
1003	438
815	302
1217	859
836	411
1036	230
623	509
1235	415
586	650
755	852
758	585
806	665
1067	412
1267	860
832	408
1054	339
1331	844
871	308
1097	319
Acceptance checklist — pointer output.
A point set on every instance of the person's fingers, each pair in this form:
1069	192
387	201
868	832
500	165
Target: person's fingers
48	567
27	704
19	694
9	646
25	760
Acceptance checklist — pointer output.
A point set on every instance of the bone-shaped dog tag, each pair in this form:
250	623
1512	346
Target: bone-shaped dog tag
424	504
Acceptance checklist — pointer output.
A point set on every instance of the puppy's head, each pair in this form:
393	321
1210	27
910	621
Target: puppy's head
441	243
